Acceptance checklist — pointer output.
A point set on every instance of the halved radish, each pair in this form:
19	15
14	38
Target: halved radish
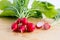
39	25
46	26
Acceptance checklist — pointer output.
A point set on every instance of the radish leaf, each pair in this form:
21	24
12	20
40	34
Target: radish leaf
4	4
48	10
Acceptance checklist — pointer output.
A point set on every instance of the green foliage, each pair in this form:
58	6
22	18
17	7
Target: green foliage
48	9
19	9
4	4
13	9
58	15
7	13
35	14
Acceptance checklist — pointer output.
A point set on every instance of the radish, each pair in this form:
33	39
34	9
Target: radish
46	26
14	27
30	27
18	21
22	28
39	25
24	21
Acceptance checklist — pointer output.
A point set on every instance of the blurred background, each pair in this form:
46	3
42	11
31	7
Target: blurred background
54	2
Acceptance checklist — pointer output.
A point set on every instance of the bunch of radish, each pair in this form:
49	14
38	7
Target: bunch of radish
22	25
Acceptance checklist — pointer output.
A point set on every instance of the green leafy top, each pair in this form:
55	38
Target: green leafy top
57	17
4	4
19	9
48	9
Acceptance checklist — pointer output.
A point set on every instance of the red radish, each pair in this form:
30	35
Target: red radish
24	21
14	27
39	25
22	28
18	21
46	26
30	27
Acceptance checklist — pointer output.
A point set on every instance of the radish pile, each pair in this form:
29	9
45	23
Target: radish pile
22	25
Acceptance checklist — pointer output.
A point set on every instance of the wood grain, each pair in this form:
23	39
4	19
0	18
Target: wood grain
7	34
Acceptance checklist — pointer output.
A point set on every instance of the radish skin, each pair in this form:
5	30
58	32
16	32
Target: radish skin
14	27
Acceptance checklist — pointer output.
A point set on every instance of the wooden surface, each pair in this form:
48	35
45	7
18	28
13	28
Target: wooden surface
38	34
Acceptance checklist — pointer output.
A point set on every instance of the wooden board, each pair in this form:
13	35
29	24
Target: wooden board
38	34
